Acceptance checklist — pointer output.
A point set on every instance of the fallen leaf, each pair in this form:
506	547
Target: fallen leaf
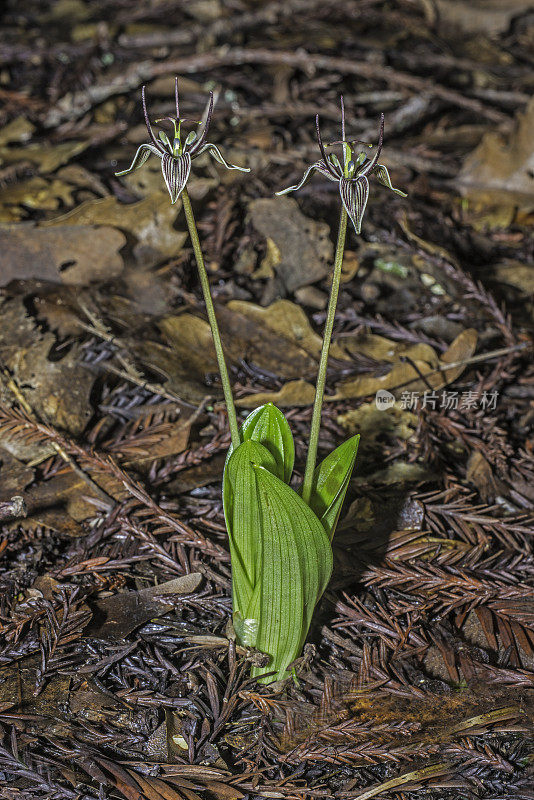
311	296
121	613
75	255
372	422
52	519
176	370
350	266
284	318
487	16
66	491
479	473
46	157
34	193
18	130
293	393
248	332
201	475
151	221
497	177
14	475
381	349
58	391
17	685
404	377
303	247
399	472
516	274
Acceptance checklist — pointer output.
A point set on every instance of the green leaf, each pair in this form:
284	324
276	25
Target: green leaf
243	520
295	569
330	481
268	426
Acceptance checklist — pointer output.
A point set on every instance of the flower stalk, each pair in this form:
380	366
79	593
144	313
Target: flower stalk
210	310
323	363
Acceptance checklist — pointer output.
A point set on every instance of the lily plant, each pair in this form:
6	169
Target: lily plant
280	534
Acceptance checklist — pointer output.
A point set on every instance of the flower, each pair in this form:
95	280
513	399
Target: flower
176	156
352	175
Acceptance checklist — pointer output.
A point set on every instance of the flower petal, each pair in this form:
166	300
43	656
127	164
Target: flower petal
140	157
354	195
217	155
320	166
383	176
175	173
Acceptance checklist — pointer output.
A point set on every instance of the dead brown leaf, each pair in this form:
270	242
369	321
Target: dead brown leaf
151	221
405	377
46	157
293	393
73	255
303	247
249	332
121	613
497	178
487	16
479	473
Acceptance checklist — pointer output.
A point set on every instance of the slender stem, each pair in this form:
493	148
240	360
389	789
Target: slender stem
204	282
321	375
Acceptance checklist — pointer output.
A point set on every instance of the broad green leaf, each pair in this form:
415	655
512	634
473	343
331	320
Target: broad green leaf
268	426
243	519
295	569
330	481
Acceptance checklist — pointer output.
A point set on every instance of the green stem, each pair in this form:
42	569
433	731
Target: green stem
321	375
204	282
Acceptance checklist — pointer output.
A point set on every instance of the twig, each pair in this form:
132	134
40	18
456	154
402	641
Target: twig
76	105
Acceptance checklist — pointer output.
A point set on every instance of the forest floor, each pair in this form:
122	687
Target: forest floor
117	676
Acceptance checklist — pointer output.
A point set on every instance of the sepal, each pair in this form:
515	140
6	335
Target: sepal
139	159
320	166
382	176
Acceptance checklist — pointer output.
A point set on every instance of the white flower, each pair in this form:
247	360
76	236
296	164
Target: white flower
352	175
176	157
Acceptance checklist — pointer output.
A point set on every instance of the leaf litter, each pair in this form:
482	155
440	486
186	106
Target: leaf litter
417	680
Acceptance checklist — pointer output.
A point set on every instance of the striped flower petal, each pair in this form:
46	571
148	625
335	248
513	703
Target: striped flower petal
320	166
217	155
354	195
382	175
140	157
175	173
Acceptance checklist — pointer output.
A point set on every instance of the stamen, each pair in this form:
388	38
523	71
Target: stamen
342	119
176	98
